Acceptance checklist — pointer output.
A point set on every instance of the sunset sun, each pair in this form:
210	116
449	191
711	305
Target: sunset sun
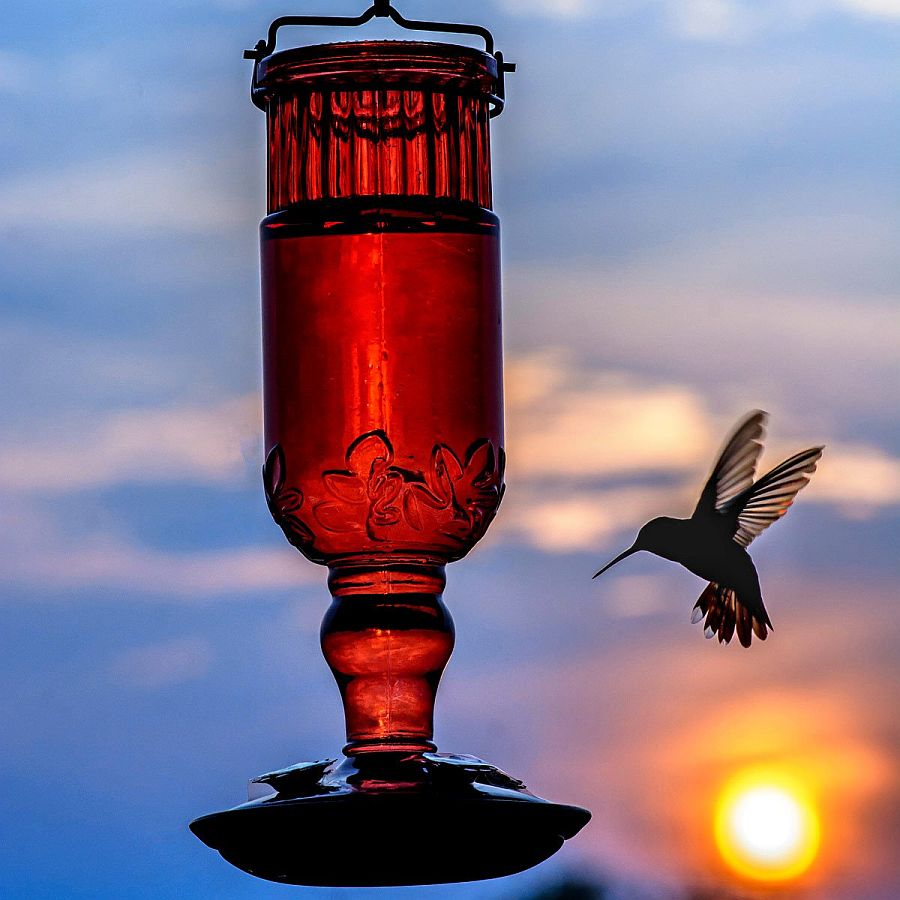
766	828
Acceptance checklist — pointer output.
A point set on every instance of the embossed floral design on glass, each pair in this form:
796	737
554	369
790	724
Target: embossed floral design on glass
384	449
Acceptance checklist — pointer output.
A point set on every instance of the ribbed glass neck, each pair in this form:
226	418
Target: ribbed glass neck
378	119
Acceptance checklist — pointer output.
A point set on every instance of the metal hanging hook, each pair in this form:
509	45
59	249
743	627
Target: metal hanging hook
382	9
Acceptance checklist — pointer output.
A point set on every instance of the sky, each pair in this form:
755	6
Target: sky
700	205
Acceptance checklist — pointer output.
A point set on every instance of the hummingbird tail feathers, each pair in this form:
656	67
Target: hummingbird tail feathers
726	614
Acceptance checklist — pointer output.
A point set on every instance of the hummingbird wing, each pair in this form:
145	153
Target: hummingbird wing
768	500
735	467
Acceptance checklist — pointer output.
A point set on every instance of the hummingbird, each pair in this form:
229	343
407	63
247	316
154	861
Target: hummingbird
731	512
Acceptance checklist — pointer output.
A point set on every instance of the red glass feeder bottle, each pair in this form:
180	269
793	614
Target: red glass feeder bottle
384	441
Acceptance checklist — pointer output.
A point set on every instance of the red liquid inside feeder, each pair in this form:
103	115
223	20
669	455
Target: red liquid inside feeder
383	389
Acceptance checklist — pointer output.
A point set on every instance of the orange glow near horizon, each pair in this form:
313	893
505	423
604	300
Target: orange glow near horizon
766	827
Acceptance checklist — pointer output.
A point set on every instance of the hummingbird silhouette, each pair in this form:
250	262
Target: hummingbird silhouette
731	512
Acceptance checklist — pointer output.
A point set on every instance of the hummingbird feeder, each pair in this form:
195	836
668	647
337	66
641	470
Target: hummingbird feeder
384	445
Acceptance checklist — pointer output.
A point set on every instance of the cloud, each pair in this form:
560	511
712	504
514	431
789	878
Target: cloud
711	19
887	9
695	323
565	9
39	552
164	664
571	426
177	193
177	443
566	421
859	479
564	519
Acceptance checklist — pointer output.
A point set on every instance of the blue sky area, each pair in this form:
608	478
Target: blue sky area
701	211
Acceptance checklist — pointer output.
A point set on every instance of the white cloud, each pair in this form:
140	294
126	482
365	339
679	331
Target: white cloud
563	524
565	421
705	331
38	551
148	445
565	520
180	192
711	19
104	561
857	478
568	9
887	9
164	664
569	425
730	20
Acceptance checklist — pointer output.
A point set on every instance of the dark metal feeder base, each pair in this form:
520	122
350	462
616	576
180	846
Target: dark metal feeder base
389	819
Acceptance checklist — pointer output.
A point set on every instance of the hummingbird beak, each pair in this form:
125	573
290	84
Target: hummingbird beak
619	558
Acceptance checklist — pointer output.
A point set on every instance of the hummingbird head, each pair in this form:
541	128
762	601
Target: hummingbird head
653	537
